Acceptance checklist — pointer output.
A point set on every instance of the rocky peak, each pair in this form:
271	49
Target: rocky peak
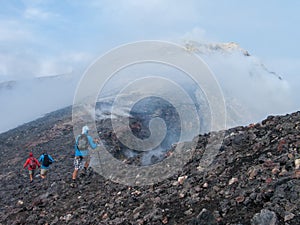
209	48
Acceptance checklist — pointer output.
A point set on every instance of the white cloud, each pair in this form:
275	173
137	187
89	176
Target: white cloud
37	10
18	65
144	16
65	63
13	30
37	13
196	33
29	99
24	65
53	67
77	57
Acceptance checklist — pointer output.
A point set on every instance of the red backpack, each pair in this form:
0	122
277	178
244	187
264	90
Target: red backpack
32	163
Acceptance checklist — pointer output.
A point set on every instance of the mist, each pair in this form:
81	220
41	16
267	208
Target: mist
250	90
28	99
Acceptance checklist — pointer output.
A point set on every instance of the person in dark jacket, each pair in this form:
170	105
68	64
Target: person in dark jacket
32	164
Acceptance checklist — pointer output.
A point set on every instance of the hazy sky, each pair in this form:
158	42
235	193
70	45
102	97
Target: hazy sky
43	37
47	37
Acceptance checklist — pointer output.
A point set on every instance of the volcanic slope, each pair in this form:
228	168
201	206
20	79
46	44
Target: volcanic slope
254	179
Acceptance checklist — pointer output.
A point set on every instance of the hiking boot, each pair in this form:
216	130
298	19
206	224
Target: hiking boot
73	183
85	170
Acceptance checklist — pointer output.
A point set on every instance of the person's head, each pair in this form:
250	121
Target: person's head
30	154
85	129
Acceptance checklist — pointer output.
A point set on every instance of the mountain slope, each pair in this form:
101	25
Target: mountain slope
253	178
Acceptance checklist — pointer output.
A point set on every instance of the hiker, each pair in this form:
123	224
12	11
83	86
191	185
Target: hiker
82	157
46	160
32	163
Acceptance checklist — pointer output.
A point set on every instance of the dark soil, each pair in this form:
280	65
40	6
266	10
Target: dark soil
254	179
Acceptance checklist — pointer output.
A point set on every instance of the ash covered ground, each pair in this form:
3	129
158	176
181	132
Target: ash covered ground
254	178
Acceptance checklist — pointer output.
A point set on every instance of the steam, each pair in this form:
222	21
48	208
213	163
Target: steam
250	90
25	100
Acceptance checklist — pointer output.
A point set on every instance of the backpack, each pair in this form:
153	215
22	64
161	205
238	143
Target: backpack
32	164
46	161
83	142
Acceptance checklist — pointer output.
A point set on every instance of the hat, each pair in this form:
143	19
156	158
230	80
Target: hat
85	129
30	154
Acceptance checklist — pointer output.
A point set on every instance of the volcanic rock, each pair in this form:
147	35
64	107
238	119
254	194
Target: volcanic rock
252	179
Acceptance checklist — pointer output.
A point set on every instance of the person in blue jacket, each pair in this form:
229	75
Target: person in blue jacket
82	157
46	160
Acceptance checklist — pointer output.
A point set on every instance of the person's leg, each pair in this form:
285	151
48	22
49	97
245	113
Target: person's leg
31	175
43	173
87	163
77	165
74	175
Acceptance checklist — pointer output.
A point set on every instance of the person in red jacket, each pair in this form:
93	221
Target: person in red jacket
32	164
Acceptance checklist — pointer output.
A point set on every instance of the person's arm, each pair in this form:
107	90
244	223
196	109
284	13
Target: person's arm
91	142
76	140
37	162
26	163
51	159
41	158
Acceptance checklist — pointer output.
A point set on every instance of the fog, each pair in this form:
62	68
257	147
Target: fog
25	100
251	91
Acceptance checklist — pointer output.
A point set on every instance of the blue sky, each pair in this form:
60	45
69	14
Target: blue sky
43	37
